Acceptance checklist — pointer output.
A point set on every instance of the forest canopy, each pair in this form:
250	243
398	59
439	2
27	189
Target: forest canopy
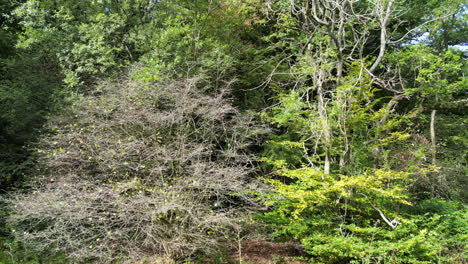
192	131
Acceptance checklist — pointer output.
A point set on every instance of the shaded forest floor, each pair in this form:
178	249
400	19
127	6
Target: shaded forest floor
252	252
265	252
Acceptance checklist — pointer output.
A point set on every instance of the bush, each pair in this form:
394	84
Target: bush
139	169
347	219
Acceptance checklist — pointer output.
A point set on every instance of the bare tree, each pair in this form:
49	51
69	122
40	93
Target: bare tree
139	169
349	26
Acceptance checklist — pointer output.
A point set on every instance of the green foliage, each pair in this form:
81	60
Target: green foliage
29	91
338	219
89	38
191	38
352	118
347	159
436	81
431	75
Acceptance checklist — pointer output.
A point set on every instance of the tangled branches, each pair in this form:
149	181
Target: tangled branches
136	170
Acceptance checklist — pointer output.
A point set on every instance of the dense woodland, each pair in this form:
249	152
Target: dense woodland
180	131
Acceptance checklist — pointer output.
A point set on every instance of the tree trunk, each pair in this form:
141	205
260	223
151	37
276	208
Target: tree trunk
326	168
324	120
433	136
384	20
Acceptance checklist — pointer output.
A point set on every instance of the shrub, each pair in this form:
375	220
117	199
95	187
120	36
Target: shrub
138	169
338	220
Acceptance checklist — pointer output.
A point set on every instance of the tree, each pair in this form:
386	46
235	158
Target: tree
28	93
89	38
341	111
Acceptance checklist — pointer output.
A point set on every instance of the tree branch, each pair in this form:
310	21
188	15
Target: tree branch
383	35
